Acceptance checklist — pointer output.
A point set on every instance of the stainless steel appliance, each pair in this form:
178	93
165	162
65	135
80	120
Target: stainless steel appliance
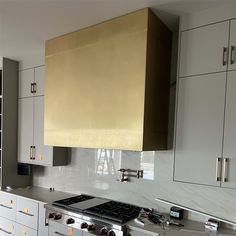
87	215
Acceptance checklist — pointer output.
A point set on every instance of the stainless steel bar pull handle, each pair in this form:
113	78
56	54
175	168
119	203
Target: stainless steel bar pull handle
225	169
57	233
232	55
31	152
6	206
225	56
25	213
32	87
4	231
218	162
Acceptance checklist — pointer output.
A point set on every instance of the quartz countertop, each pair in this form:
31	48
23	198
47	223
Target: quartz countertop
191	228
39	194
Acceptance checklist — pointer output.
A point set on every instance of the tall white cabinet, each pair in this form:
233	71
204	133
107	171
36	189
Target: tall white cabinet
200	128
205	150
31	148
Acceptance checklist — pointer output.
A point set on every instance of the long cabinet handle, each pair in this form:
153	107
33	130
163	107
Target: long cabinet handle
218	165
232	55
34	152
225	56
225	169
4	231
6	206
25	213
59	233
31	152
32	87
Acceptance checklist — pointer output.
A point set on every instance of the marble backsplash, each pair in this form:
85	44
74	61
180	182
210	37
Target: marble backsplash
86	173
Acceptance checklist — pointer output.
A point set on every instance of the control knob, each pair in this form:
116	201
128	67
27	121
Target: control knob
111	233
70	221
57	216
51	215
103	231
91	227
84	225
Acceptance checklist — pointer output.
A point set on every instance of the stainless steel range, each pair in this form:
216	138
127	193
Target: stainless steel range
87	215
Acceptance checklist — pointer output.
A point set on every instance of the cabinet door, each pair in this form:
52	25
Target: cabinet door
62	230
230	133
22	230
26	78
7	227
232	48
25	129
7	205
43	154
27	212
202	49
39	80
199	134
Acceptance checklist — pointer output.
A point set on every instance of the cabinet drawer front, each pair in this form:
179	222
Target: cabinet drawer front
7	206
22	230
56	229
27	213
7	227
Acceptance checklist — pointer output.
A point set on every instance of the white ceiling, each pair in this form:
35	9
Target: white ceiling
26	24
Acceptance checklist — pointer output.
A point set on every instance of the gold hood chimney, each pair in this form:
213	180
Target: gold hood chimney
107	86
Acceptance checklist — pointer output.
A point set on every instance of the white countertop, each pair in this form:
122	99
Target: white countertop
191	228
39	194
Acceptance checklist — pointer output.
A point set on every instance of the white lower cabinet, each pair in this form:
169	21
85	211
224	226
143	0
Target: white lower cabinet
22	216
22	230
7	227
56	229
27	213
7	206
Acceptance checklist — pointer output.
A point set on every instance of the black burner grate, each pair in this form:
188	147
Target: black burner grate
115	211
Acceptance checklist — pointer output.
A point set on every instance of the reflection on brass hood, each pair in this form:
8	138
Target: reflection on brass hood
107	86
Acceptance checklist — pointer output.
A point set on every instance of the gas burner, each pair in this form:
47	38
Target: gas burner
115	211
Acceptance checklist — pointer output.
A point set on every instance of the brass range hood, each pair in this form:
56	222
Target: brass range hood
107	86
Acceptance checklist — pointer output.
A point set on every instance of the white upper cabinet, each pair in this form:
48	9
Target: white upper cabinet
31	148
232	46
204	50
26	80
31	82
43	154
199	133
25	129
229	154
39	80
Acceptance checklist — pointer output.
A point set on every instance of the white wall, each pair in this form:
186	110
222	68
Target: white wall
81	174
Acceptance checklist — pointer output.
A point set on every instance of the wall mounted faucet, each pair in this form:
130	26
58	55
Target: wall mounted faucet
127	173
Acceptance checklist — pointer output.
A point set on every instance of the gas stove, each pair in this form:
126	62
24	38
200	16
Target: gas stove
87	215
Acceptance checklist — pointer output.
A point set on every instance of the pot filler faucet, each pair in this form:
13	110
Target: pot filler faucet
127	173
